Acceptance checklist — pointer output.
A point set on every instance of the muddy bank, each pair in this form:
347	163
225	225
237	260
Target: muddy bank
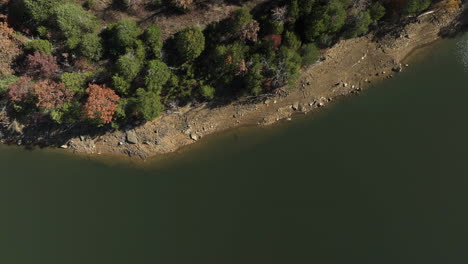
348	68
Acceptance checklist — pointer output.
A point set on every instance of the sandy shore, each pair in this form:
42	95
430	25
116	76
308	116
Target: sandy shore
348	67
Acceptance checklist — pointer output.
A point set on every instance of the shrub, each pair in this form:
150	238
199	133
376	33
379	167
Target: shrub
40	45
189	43
360	24
121	85
254	79
416	6
91	46
39	11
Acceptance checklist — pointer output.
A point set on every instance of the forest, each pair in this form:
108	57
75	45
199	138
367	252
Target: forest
60	63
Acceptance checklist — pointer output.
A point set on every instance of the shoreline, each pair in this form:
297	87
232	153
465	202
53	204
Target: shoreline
349	67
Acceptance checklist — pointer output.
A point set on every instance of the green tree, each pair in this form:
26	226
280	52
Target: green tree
128	67
121	85
416	6
189	43
39	11
122	36
254	79
309	53
360	25
91	46
377	11
41	45
73	21
5	82
324	21
148	104
76	82
207	91
291	40
153	40
157	75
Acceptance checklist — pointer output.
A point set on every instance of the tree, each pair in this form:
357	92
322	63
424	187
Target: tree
376	11
5	82
189	43
157	75
122	36
128	67
91	46
360	24
309	53
9	49
40	65
41	45
149	104
51	95
291	40
254	79
153	40
73	21
101	104
416	6
326	20
20	91
207	91
76	81
39	11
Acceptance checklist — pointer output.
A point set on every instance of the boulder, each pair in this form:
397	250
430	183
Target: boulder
295	106
194	136
132	137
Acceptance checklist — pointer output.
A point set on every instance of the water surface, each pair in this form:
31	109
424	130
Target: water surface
379	178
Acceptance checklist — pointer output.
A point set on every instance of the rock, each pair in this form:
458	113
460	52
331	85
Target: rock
406	65
295	106
82	138
194	136
274	101
352	87
64	146
267	101
320	104
120	143
308	83
289	119
16	127
345	85
20	142
397	68
132	137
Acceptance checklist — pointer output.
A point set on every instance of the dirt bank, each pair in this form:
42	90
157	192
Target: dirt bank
348	67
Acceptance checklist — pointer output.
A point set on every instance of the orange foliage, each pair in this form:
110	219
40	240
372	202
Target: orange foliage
102	103
51	95
20	91
9	48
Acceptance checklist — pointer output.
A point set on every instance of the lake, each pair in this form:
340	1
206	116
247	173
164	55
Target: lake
378	178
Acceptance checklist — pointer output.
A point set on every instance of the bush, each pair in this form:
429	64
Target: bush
40	45
73	21
153	40
122	36
91	47
121	85
39	11
309	53
189	43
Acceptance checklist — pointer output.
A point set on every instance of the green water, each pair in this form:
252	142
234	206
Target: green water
379	178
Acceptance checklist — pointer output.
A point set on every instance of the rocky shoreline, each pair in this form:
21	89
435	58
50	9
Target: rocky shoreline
347	68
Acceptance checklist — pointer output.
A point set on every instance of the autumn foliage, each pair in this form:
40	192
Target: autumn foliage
101	104
9	49
40	65
20	91
51	95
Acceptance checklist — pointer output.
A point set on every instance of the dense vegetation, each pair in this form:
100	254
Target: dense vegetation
67	66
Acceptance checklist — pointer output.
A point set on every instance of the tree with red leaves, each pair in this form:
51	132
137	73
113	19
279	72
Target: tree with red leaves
40	65
102	103
51	95
9	48
21	90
